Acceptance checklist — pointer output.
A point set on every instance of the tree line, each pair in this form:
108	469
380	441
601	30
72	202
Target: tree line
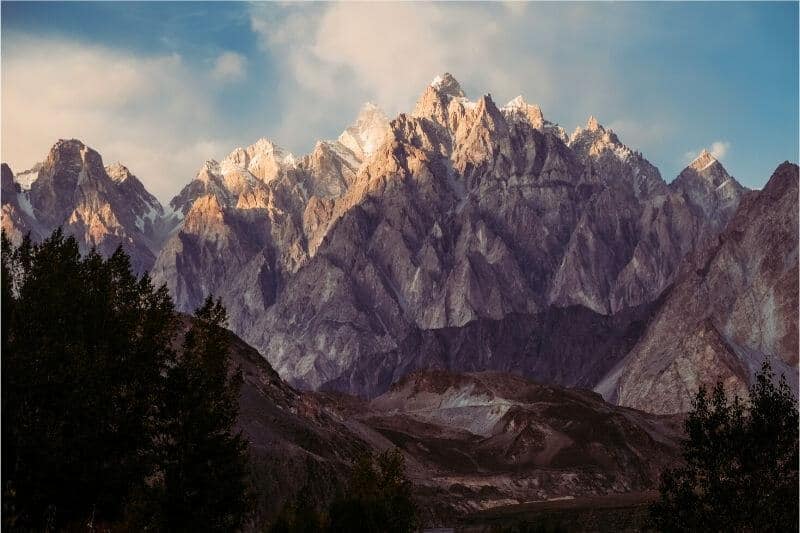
115	415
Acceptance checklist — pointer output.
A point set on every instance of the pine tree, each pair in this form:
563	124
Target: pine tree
84	345
378	498
104	423
204	460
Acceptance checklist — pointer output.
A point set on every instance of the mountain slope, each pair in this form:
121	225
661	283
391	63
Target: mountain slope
472	213
734	304
245	224
103	207
475	441
470	441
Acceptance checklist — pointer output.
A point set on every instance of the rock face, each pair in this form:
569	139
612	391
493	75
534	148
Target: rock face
244	225
488	219
734	304
464	236
18	218
103	207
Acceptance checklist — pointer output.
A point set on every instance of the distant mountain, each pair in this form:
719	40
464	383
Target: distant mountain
103	207
483	219
249	222
734	304
464	236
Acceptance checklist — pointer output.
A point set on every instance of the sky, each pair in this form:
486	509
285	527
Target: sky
162	87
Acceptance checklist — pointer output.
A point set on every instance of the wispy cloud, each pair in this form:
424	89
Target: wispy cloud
719	149
229	67
155	114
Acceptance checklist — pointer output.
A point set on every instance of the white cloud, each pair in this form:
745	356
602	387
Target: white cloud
229	67
333	57
154	114
340	55
719	149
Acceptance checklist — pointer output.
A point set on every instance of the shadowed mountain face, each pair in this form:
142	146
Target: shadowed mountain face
464	235
475	217
734	304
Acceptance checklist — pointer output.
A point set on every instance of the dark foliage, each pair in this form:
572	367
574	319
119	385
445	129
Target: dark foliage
88	405
741	470
378	498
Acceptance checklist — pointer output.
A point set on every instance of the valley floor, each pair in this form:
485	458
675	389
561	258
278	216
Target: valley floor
617	513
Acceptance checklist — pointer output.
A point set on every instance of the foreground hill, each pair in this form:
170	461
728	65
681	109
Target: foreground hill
471	441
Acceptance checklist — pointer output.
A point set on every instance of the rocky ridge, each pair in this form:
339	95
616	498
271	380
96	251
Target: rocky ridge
733	306
472	214
103	207
463	235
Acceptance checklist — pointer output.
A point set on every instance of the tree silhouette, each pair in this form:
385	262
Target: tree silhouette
88	405
205	463
378	498
741	471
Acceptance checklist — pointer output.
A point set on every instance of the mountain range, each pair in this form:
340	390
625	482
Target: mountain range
463	236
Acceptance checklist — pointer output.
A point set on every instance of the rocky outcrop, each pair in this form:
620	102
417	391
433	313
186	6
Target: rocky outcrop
247	223
469	214
102	207
734	304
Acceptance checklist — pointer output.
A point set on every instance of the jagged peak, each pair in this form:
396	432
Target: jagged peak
448	85
592	124
208	168
242	158
367	132
517	102
118	172
265	145
704	160
532	112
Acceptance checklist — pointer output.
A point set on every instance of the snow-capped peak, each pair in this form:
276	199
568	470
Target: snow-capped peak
367	133
703	161
592	124
516	103
448	85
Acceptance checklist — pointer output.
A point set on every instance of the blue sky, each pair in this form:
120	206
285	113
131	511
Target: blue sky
164	86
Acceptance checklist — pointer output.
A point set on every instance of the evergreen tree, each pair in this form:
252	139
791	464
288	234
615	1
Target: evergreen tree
741	471
204	461
84	344
378	498
103	423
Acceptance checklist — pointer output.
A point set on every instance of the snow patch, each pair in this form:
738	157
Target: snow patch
25	204
26	179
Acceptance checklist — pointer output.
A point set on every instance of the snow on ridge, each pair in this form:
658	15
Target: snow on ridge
25	179
25	204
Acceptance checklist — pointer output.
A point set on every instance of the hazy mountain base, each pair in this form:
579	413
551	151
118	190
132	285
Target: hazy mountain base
549	347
